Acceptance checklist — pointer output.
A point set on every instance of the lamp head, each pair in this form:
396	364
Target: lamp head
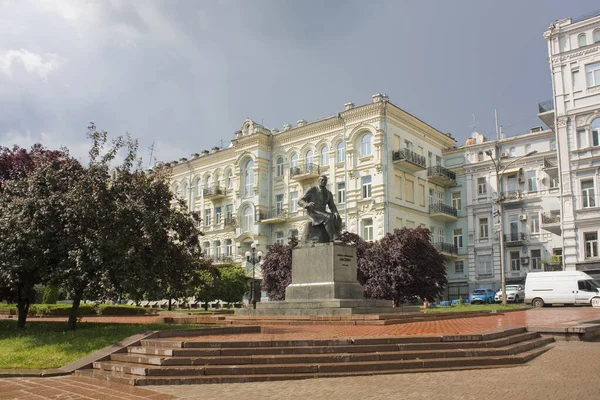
259	254
253	245
248	254
488	153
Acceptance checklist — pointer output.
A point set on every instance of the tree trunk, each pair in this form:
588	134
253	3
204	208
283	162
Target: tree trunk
23	307
72	324
169	307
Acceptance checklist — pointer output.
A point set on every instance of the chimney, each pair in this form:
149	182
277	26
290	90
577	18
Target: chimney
348	106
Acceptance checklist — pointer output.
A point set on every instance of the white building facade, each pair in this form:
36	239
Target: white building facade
574	113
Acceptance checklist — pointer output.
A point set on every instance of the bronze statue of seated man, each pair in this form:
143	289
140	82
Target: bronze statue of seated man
323	226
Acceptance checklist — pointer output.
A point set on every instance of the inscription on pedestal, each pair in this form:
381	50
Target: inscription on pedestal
345	260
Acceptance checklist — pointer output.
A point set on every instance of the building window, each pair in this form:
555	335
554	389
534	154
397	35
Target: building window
366	186
279	238
398	186
581	40
481	186
309	158
229	211
248	174
597	36
596	131
367	229
531	181
207	213
512	152
294	233
458	238
293	201
534	223
247	219
430	159
592	74
409	186
229	248
438	161
441	235
591	244
324	156
527	148
218	215
279	164
515	261
483	228
408	144
217	247
279	204
206	251
480	156
456	201
365	145
340	152
341	192
553	144
294	161
581	138
459	267
587	193
536	260
485	265
229	180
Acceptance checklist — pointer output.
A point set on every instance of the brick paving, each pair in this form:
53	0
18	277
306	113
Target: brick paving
568	371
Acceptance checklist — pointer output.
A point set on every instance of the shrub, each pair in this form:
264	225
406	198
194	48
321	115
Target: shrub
60	310
108	309
8	309
50	295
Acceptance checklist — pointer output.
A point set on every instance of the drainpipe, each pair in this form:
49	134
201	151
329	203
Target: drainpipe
189	194
386	211
346	190
557	136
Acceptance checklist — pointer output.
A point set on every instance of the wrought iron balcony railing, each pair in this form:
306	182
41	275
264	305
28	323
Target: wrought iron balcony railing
550	218
214	191
411	156
447	248
514	237
439	170
443	208
229	221
309	168
545	106
272	213
514	195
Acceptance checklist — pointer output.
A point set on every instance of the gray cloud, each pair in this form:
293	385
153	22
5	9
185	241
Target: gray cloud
185	74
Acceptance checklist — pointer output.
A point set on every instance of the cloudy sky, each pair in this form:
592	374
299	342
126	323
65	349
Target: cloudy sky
185	74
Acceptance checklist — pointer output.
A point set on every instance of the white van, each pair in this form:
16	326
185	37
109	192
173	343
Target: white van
562	287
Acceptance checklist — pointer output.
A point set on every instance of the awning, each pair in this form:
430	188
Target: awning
510	171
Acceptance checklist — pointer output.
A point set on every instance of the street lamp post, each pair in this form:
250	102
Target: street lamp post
499	200
254	258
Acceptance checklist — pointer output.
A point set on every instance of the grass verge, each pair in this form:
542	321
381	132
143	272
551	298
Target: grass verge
46	345
474	307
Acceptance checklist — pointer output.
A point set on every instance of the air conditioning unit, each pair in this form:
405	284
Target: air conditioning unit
524	260
504	154
523	217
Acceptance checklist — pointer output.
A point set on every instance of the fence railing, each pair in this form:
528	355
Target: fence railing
411	156
442	208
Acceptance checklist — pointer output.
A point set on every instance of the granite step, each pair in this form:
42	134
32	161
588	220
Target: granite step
252	373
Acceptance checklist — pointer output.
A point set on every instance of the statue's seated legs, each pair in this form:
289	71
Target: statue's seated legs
315	233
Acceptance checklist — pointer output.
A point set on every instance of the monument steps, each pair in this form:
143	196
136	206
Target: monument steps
165	362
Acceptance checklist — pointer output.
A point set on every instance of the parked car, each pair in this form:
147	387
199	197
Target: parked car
514	293
482	296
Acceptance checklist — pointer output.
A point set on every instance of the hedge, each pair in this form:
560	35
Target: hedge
8	309
60	310
108	309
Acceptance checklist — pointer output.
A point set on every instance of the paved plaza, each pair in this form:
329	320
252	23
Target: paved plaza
569	370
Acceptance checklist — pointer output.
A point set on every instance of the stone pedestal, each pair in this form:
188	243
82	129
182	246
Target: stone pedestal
324	282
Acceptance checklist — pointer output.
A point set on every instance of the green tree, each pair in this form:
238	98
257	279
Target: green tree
231	284
50	295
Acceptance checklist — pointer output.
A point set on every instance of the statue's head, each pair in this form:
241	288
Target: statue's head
323	181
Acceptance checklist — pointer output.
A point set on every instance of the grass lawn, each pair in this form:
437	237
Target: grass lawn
474	307
48	345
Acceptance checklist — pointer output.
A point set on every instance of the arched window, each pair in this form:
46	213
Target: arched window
512	152
209	182
581	40
247	219
198	187
324	156
248	175
294	161
279	164
183	193
310	158
229	180
177	190
365	145
597	36
340	152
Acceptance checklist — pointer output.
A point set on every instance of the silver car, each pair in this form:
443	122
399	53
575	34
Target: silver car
514	293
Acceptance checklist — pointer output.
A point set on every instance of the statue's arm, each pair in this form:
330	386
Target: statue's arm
305	198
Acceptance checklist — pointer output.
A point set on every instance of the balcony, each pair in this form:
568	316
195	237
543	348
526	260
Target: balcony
551	167
221	260
214	192
441	176
512	197
272	216
546	113
443	212
447	249
303	172
229	222
551	222
514	239
408	161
